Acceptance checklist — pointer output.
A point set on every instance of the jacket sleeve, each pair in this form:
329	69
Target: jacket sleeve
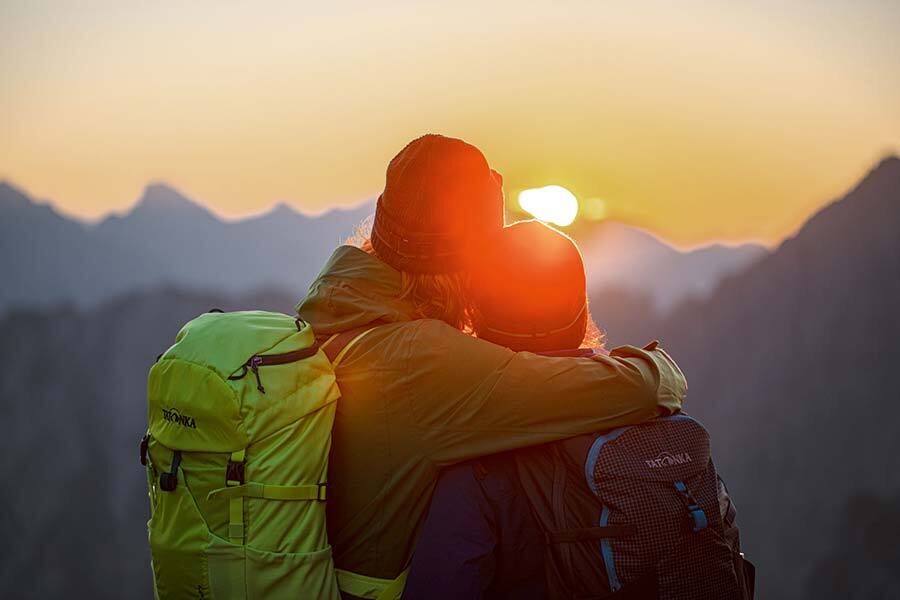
469	397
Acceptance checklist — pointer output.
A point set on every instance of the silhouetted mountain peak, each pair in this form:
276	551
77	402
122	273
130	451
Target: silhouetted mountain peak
883	177
15	202
889	163
870	208
747	248
622	257
277	218
162	200
609	235
13	198
282	210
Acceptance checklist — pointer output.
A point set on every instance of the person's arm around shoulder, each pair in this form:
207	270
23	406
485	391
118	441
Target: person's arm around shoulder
469	397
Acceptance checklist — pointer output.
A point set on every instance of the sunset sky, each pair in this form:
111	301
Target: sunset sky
698	120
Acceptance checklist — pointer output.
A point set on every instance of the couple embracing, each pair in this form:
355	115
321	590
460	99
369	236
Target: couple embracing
483	346
484	445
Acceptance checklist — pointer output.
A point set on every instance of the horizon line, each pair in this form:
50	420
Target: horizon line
86	221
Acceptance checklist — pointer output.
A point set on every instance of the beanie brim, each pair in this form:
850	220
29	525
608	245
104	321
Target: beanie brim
526	336
423	252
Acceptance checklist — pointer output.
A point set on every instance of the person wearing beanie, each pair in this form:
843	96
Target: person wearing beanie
539	304
440	201
419	393
510	525
480	538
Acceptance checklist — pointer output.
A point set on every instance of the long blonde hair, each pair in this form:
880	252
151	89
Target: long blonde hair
449	296
443	296
594	337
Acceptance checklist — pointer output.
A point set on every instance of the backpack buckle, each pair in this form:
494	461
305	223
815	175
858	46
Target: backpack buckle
169	481
699	521
699	518
234	473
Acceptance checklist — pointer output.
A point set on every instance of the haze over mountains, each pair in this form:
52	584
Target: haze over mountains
791	363
168	239
623	258
165	239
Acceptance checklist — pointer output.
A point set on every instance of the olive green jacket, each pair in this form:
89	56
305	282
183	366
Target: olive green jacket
418	395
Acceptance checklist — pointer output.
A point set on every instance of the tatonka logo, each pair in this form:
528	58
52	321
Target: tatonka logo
172	414
666	459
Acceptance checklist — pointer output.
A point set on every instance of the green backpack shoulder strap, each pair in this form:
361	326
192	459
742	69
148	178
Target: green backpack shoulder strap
336	346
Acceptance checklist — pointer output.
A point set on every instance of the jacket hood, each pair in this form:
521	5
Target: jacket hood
354	289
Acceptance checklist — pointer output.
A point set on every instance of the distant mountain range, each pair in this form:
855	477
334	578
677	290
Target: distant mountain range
791	364
623	258
167	239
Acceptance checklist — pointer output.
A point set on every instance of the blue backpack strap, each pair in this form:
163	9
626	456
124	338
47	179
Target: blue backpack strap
594	453
590	464
607	554
694	510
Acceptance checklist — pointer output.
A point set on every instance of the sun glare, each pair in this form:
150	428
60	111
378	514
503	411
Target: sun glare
551	203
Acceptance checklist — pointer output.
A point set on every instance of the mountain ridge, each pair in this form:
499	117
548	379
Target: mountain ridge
167	237
164	238
163	201
624	258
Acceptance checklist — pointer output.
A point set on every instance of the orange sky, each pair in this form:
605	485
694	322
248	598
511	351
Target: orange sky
698	120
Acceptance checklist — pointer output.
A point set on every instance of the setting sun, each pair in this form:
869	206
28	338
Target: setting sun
552	203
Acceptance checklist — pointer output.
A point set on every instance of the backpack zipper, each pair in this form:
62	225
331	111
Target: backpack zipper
255	361
265	360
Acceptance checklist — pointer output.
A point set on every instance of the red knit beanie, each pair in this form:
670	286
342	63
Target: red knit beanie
530	290
441	202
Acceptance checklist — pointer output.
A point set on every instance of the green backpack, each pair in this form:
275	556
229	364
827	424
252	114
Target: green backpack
240	411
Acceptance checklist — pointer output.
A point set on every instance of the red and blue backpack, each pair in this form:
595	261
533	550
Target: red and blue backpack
636	512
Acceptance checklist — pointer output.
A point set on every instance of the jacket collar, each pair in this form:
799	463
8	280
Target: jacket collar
354	289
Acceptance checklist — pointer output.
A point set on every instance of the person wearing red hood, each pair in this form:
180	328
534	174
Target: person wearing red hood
418	392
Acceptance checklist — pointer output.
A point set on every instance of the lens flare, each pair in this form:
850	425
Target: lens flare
551	203
593	209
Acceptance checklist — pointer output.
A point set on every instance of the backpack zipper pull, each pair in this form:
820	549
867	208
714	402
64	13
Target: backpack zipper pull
254	366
